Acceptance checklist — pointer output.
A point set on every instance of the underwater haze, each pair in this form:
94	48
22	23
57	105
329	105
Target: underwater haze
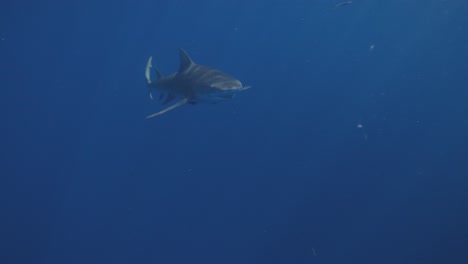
351	146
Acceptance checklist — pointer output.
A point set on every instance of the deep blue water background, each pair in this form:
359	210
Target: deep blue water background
282	170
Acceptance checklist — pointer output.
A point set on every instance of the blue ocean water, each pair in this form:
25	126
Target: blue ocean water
350	147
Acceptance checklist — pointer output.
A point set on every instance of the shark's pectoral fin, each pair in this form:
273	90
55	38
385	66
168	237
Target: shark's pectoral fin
181	102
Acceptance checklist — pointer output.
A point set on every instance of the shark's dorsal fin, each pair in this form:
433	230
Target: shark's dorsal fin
185	61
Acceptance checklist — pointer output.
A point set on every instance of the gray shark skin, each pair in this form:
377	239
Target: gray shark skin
194	83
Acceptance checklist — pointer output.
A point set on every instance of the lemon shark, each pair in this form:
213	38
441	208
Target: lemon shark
192	83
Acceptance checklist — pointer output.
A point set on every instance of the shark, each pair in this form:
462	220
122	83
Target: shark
192	84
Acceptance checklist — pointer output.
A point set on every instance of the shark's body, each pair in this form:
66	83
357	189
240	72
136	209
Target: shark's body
193	83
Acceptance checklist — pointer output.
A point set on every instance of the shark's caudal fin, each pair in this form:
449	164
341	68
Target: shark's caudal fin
183	101
147	71
148	74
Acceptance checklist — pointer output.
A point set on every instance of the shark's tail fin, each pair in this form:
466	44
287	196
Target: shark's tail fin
149	65
147	71
148	74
